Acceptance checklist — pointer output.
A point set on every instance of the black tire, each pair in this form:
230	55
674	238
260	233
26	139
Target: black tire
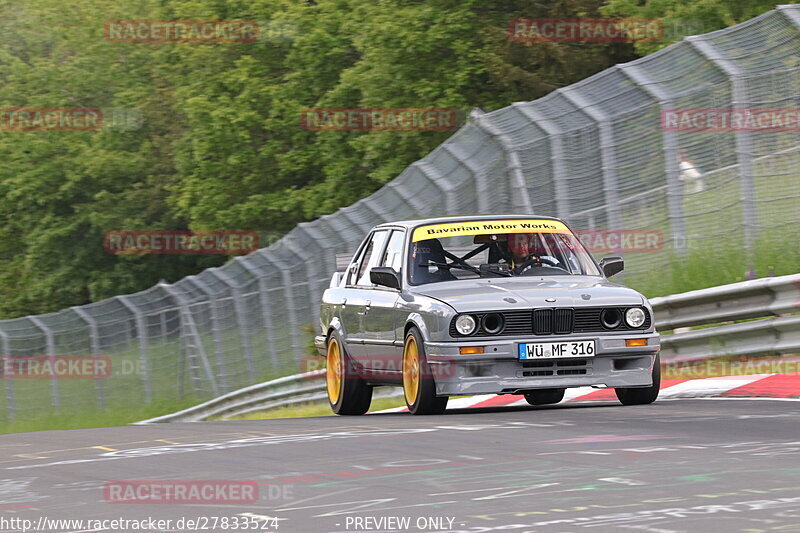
425	401
544	396
645	395
354	395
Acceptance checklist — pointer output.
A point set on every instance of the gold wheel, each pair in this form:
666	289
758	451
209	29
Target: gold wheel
333	375
411	370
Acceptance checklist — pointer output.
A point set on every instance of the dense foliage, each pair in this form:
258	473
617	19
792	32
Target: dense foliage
208	135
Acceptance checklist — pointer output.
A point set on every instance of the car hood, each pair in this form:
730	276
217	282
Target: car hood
497	294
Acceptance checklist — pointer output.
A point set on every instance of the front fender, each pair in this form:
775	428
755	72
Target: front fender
321	341
419	321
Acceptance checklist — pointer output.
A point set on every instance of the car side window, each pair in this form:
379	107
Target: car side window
352	268
370	257
393	257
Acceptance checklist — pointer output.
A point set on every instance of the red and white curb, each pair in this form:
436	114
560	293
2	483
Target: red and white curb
785	386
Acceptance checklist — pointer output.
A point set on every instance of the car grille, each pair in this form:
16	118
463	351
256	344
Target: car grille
560	367
551	321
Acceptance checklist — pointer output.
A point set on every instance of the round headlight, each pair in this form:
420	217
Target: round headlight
611	318
492	323
635	317
465	324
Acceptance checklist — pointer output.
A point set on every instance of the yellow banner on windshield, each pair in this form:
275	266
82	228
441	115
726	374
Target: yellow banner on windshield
488	227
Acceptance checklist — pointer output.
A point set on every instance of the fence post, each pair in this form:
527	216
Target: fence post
744	144
191	337
9	383
607	152
95	348
266	308
670	143
554	132
215	328
482	187
51	353
513	163
241	318
141	331
317	275
296	341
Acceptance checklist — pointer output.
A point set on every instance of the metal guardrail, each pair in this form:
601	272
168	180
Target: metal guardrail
281	392
776	298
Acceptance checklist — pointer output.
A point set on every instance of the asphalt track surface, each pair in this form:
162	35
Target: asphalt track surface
682	465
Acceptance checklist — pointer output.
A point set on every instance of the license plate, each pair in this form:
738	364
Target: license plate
555	350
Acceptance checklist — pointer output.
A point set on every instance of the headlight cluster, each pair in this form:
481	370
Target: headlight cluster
466	325
635	317
490	324
612	317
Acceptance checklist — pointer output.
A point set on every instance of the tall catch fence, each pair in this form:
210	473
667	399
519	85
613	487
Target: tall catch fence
593	153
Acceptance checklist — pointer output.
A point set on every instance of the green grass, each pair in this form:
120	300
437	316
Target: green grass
315	409
119	415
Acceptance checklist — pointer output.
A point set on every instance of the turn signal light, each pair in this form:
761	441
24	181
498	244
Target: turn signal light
635	342
470	350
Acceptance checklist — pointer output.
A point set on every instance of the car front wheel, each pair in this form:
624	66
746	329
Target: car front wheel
419	387
348	394
641	396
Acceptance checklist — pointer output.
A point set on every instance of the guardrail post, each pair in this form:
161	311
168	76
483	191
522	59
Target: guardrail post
671	168
99	383
215	328
51	353
744	145
141	331
191	340
241	318
9	383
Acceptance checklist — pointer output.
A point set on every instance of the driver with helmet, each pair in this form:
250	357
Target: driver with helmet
527	251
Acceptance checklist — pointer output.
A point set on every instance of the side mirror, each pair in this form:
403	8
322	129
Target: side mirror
612	265
385	276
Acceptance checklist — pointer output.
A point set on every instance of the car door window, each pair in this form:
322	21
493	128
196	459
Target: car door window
393	257
370	258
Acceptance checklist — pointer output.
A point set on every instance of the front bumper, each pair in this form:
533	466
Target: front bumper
498	370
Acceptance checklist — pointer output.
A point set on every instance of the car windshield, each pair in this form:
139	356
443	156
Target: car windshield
504	248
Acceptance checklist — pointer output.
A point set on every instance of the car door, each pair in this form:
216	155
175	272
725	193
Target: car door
379	320
359	290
